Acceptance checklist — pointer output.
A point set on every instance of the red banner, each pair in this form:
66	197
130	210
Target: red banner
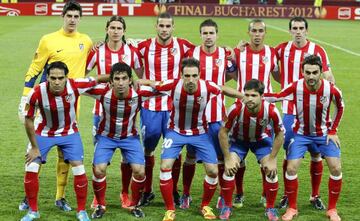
208	10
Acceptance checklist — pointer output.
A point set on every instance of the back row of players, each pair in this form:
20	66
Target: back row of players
187	111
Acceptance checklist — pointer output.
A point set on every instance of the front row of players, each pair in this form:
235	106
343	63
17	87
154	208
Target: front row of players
253	123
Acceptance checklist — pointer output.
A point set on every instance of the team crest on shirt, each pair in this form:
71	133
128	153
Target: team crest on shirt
263	122
218	62
81	46
173	51
123	57
323	99
265	59
68	98
199	99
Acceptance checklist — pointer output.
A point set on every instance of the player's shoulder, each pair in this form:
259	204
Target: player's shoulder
85	37
282	45
145	42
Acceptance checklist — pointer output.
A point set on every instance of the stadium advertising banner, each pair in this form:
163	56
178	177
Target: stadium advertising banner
207	10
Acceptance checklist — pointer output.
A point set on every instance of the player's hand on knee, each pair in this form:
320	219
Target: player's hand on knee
334	138
21	110
31	155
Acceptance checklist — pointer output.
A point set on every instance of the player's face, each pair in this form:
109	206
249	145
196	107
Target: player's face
208	36
257	33
252	99
121	83
71	20
312	75
164	29
298	31
191	77
115	31
56	80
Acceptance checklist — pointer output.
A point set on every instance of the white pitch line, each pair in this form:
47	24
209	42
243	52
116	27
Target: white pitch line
319	41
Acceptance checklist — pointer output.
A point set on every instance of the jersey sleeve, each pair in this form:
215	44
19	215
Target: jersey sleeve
339	109
324	59
40	58
91	60
276	120
137	58
285	94
213	89
84	84
233	113
97	92
31	103
187	45
166	87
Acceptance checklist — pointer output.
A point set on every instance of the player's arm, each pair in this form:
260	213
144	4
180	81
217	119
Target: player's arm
231	161
34	151
145	82
285	94
328	75
338	113
230	92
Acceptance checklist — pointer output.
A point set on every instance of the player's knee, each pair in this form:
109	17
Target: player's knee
335	170
212	171
138	172
291	170
99	171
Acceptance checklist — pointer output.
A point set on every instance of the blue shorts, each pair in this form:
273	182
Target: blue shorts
213	132
260	149
153	124
301	144
201	145
131	150
70	145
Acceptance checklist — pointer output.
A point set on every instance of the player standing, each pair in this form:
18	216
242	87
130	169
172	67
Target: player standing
249	126
312	97
291	54
113	51
255	61
162	56
56	100
71	47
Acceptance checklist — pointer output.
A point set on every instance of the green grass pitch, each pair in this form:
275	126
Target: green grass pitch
19	37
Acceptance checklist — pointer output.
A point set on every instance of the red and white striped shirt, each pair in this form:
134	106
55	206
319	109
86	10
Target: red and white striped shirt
255	65
251	128
312	108
58	113
290	58
188	110
119	117
104	58
162	63
213	68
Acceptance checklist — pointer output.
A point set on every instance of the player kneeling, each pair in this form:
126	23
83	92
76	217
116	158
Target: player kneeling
249	127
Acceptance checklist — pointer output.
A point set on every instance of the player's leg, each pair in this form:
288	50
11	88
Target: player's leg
104	150
189	167
262	150
239	179
62	172
126	174
132	151
151	133
288	120
96	120
295	154
316	171
332	153
171	148
73	151
205	151
31	179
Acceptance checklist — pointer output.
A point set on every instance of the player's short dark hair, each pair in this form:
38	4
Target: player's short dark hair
255	84
119	19
57	65
189	62
298	19
165	15
118	68
72	6
312	60
209	23
256	20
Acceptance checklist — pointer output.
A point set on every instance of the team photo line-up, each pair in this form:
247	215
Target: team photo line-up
180	94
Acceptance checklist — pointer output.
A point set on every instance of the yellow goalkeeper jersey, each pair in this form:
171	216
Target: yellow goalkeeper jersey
72	49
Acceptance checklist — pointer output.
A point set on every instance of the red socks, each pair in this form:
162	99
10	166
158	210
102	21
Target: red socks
137	187
316	170
149	166
271	188
99	186
291	190
176	172
126	173
227	189
166	188
239	177
334	190
80	187
188	175
31	185
209	185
